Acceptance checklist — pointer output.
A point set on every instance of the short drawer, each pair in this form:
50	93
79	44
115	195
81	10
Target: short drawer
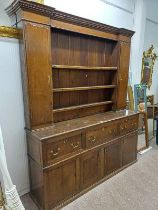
101	135
55	150
128	124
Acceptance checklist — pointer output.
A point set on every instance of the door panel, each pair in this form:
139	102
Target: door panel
123	74
113	158
91	168
61	182
129	148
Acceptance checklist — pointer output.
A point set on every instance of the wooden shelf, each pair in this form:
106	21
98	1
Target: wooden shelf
82	106
56	90
84	67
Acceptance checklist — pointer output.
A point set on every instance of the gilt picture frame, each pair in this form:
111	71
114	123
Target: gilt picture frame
148	62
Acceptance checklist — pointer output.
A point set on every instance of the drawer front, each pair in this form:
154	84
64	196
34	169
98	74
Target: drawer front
128	124
101	135
55	150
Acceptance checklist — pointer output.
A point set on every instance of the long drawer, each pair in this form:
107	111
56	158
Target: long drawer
110	131
101	135
55	150
128	124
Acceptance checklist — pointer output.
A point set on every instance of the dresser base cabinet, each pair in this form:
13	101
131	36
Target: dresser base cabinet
63	176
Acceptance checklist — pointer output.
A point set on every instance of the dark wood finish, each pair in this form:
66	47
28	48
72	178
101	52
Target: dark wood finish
83	88
129	148
102	68
82	106
70	114
36	183
91	168
150	111
64	175
113	157
91	148
104	134
38	74
55	150
75	74
123	74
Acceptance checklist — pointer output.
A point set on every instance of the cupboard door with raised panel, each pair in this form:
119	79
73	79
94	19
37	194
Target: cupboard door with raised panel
91	168
61	182
113	157
129	148
37	82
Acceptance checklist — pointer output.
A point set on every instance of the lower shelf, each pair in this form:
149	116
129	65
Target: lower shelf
73	112
82	106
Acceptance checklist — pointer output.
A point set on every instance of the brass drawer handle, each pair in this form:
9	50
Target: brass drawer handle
110	132
92	139
54	153
65	141
122	127
114	131
74	146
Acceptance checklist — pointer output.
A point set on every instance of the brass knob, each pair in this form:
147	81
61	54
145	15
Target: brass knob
54	153
92	139
65	141
110	132
74	146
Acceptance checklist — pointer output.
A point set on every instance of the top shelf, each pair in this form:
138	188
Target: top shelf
85	67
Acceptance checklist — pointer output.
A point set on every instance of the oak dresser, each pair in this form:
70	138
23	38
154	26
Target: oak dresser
74	76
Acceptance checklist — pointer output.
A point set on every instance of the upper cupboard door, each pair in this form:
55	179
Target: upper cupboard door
38	74
123	74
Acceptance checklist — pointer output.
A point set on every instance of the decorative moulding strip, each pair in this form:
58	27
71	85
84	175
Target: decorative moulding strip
64	17
9	32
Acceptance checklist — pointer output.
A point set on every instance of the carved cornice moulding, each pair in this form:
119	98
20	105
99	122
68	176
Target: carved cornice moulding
9	32
62	16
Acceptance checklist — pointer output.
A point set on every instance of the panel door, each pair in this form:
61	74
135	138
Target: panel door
61	182
123	74
113	157
129	148
37	76
91	168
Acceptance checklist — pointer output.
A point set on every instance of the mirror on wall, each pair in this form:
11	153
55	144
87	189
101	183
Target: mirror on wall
148	62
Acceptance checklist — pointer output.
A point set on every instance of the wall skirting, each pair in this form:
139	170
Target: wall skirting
9	32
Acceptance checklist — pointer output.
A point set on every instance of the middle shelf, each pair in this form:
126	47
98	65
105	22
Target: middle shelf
101	68
84	88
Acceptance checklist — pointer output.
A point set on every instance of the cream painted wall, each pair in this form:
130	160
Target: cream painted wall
11	107
12	113
4	19
151	37
119	13
112	12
